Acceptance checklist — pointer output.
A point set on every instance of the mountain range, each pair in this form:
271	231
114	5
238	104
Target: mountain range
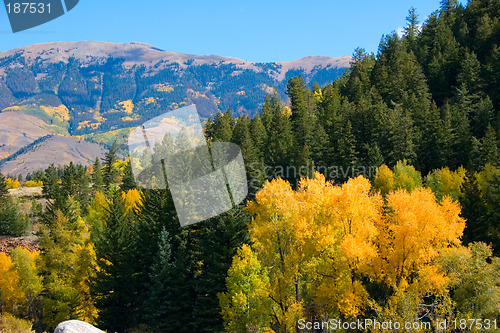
97	91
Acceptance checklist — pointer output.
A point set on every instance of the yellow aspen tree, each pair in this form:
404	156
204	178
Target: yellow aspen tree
246	307
412	234
11	295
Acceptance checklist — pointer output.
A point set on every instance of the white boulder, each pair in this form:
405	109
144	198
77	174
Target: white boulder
76	326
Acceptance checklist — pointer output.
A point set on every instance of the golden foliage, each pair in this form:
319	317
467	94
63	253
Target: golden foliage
319	245
60	112
12	184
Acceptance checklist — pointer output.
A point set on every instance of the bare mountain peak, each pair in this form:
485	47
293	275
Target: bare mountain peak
138	53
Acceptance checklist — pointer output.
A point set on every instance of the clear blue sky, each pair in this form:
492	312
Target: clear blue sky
253	30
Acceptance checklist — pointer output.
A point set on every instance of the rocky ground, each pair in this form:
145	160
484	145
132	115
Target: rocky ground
8	243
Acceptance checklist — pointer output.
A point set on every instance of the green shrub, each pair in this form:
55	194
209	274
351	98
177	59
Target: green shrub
12	222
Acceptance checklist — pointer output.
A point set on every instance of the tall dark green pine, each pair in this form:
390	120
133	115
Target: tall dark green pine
358	81
401	136
97	179
258	134
412	30
460	112
474	211
489	151
158	213
242	137
223	127
128	179
109	171
304	165
267	110
115	285
160	296
3	187
302	122
331	114
347	159
218	239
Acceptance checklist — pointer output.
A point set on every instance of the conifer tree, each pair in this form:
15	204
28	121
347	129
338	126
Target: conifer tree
160	295
224	123
128	179
97	179
109	171
3	187
114	286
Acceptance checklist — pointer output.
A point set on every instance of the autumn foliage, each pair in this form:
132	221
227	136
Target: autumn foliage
327	251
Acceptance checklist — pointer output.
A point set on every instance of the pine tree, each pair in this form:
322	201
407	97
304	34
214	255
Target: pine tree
489	151
224	123
218	240
128	179
258	134
109	171
280	140
97	179
401	136
3	187
412	29
115	286
347	150
160	296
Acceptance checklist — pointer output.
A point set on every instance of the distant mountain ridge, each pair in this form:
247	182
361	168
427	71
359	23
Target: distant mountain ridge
136	53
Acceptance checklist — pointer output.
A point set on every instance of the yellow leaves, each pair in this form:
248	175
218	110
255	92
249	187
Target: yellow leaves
287	111
384	179
131	200
10	294
163	87
320	227
432	281
318	95
446	182
404	176
11	108
354	300
60	112
32	183
12	184
321	239
416	229
127	106
149	100
18	279
247	303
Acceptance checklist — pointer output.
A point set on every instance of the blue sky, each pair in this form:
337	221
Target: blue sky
258	30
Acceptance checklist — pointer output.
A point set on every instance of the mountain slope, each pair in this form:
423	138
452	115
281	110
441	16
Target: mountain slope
55	149
101	87
99	91
18	130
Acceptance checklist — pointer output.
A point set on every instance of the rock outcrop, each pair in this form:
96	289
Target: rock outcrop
76	326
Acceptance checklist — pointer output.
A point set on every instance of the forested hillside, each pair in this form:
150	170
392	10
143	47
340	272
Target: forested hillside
375	197
91	87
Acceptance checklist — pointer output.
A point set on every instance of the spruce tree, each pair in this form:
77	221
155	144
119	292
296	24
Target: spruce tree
3	188
218	240
97	179
109	171
115	285
224	123
160	295
128	179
